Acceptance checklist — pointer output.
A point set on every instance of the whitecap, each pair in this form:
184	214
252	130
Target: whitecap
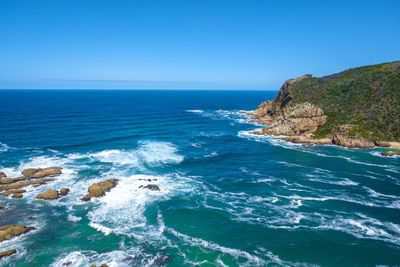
73	218
3	147
195	110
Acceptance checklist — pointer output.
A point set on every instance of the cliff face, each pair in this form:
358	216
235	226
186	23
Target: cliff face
286	118
355	108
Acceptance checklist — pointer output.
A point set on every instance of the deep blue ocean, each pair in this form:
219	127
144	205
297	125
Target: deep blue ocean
227	198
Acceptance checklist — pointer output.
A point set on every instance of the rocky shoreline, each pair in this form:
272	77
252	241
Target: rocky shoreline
16	187
298	122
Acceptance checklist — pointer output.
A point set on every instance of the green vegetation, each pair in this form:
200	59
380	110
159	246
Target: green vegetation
368	98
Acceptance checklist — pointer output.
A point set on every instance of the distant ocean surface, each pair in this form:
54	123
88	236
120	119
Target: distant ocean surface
226	198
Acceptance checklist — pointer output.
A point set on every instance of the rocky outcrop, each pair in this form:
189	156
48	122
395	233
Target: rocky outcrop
99	189
268	110
298	120
19	185
103	265
64	191
366	98
342	137
7	253
390	153
9	231
15	193
48	195
307	140
31	176
287	118
40	173
53	194
2	175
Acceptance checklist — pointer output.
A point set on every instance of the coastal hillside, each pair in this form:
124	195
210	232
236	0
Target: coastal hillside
358	107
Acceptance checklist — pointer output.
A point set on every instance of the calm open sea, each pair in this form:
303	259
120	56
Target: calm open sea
226	198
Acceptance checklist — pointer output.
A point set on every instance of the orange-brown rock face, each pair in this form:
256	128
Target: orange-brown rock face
99	189
7	253
48	195
9	231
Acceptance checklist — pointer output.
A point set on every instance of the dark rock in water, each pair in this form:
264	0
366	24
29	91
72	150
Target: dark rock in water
17	195
64	191
32	218
2	208
9	231
68	263
152	187
161	260
48	195
390	153
99	189
2	175
7	253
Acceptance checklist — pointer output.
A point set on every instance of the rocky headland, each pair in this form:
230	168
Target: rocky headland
356	108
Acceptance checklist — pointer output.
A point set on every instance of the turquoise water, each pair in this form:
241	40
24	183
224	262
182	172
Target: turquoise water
227	198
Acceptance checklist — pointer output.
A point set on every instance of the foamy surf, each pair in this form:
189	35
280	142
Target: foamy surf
121	210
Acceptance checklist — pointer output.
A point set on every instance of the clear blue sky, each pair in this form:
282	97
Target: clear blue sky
215	44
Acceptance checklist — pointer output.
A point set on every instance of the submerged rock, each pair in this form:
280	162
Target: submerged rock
7	253
64	191
390	153
162	260
152	187
17	195
99	189
48	195
32	218
9	231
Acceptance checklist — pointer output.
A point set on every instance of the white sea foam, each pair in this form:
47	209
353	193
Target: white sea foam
378	154
148	152
116	258
4	147
74	218
211	155
252	260
195	110
121	210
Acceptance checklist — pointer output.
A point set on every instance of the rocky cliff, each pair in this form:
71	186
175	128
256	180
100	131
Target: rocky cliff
355	108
